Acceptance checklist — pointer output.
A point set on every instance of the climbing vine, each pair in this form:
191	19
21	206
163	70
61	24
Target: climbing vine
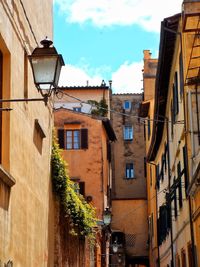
79	211
99	108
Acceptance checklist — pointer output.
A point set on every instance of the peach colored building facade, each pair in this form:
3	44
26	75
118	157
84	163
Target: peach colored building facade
85	140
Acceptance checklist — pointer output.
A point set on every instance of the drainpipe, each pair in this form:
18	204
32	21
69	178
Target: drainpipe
169	180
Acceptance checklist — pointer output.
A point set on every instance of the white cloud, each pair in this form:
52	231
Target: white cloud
127	79
147	14
77	76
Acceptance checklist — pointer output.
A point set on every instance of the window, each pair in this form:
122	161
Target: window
129	170
77	109
175	201
180	199
128	133
127	105
185	168
73	139
175	96
181	75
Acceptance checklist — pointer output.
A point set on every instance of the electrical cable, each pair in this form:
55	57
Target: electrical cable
114	111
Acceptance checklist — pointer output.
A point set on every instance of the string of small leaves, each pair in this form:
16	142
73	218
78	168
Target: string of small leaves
81	214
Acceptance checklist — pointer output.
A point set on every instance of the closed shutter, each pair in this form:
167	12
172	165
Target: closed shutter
185	168
84	138
179	185
82	188
61	138
109	151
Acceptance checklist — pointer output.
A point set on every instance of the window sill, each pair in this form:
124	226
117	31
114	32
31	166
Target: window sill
129	178
6	177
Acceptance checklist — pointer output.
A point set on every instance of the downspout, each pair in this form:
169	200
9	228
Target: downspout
169	180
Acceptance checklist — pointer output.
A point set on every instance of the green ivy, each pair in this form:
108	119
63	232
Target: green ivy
101	108
81	214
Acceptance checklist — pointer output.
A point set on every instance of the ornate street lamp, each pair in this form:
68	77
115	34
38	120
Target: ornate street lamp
107	216
46	65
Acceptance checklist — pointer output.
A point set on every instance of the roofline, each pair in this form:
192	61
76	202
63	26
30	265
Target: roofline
166	53
87	87
105	122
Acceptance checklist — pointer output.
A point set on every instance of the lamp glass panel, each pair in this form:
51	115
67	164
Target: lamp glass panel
44	71
58	70
107	218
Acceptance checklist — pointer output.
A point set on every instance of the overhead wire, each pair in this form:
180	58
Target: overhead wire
114	111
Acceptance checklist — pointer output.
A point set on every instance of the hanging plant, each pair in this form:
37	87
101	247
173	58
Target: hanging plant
81	213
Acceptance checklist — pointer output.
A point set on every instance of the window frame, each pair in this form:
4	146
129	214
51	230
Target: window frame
129	104
83	137
129	128
73	141
129	169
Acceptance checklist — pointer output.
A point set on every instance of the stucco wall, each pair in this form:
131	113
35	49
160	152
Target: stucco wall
89	165
24	220
126	215
128	151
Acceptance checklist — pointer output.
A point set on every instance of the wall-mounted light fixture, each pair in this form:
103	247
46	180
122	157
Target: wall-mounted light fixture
107	216
46	65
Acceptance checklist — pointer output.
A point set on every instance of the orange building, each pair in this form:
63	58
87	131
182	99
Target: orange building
85	140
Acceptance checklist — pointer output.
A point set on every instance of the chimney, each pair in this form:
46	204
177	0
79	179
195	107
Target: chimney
147	54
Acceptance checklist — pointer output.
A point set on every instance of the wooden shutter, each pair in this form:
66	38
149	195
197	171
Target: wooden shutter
108	151
84	138
82	188
185	168
181	73
179	185
61	138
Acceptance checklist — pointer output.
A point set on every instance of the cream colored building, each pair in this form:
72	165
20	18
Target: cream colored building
173	149
25	141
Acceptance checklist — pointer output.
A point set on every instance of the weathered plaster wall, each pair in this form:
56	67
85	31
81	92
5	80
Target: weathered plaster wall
128	151
24	220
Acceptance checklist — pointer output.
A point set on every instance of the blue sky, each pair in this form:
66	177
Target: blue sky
105	39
